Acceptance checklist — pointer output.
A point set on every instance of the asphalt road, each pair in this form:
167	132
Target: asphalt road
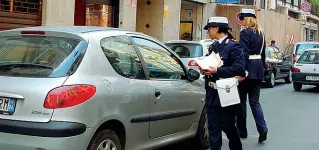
292	119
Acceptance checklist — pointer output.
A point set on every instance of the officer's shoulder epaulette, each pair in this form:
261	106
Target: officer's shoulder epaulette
229	40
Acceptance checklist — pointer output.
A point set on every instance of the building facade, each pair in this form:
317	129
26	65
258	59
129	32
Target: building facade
163	19
20	13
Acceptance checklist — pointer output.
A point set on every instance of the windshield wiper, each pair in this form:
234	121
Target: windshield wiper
22	65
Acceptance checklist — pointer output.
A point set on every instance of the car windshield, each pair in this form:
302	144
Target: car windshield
186	50
37	56
309	57
302	47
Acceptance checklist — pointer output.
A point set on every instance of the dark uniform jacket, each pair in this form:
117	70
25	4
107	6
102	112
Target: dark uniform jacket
251	41
234	65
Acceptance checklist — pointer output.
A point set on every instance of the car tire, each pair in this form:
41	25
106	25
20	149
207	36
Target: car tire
288	79
105	138
297	86
270	82
201	141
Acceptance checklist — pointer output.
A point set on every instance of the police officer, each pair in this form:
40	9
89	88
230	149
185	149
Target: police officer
222	118
253	42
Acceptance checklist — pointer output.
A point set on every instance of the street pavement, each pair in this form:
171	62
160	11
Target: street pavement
292	119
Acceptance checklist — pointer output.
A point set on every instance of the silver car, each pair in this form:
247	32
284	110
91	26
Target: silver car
78	88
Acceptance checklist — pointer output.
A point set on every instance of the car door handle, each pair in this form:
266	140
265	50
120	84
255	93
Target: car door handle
157	94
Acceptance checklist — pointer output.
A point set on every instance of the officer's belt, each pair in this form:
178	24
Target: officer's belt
254	56
212	84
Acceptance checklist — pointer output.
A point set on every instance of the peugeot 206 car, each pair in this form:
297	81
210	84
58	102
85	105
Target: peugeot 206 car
78	88
306	69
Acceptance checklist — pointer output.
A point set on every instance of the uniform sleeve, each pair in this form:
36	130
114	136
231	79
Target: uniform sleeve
244	42
238	63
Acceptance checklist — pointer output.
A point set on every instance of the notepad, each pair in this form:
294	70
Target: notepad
213	60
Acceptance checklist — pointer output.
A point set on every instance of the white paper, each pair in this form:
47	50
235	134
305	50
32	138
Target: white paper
213	60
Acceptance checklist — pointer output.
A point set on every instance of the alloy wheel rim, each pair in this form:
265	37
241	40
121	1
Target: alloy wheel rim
272	79
107	145
290	76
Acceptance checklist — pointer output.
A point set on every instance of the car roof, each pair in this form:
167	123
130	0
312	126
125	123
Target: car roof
306	43
183	41
312	49
70	29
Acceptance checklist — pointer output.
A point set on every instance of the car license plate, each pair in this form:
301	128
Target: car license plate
7	105
312	78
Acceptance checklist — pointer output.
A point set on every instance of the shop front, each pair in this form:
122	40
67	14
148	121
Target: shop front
20	13
104	13
191	19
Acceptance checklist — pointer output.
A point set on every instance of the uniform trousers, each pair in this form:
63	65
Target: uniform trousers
223	119
251	88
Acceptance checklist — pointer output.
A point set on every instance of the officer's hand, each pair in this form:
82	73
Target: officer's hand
212	70
201	70
239	78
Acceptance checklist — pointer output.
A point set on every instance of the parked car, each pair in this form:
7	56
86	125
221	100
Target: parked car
293	51
95	88
277	67
306	69
190	51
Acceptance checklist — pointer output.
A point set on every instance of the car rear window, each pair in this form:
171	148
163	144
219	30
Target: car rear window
302	47
309	57
186	50
38	56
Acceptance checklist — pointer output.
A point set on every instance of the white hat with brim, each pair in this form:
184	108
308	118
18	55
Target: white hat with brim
216	22
247	13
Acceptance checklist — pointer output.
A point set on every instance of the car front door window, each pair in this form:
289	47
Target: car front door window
160	63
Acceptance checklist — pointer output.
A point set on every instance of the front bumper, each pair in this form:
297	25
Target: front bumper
16	135
299	77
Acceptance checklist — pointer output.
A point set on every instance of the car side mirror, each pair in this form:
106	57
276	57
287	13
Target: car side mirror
193	75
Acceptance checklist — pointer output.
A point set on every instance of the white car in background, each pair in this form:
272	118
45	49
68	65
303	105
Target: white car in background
306	69
190	51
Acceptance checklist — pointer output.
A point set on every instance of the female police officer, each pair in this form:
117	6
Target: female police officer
253	42
222	118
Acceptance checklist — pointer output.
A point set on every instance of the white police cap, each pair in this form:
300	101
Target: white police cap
247	13
216	22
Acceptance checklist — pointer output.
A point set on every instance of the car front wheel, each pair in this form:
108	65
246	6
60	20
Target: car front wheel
201	141
297	86
105	140
270	82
